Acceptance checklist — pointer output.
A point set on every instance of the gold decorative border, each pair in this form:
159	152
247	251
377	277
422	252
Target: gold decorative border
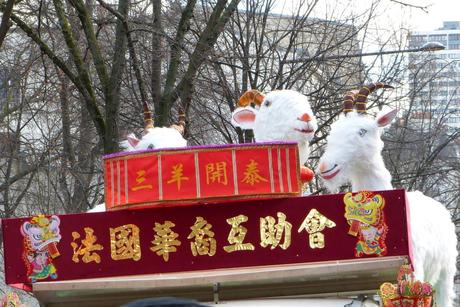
106	179
197	150
160	179
297	165
288	170
197	175
126	181
235	173
270	169
280	170
118	182
112	183
192	201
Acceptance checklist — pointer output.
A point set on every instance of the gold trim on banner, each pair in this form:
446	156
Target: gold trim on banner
197	175
106	181
191	201
113	182
160	179
118	183
126	181
280	170
235	172
297	165
198	150
288	170
270	169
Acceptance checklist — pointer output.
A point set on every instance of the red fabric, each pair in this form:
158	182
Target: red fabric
142	187
206	173
179	187
338	244
260	179
216	174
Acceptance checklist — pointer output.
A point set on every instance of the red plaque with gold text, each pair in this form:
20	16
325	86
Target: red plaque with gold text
193	174
234	234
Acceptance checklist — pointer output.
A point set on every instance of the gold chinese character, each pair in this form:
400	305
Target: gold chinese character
314	223
237	235
86	248
271	234
216	172
125	242
251	175
316	240
204	243
177	175
165	240
140	178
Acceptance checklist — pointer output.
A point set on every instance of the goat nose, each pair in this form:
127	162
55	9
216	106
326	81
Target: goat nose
322	167
305	117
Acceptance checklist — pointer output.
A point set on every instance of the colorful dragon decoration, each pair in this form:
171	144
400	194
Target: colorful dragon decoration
40	237
364	213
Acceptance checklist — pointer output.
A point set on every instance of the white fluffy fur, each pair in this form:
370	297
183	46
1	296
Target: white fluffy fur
158	137
97	208
356	155
278	118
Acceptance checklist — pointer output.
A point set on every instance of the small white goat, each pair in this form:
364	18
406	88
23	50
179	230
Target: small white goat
353	154
281	115
157	137
154	138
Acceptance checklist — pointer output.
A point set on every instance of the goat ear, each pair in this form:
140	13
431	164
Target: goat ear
385	117
132	140
244	117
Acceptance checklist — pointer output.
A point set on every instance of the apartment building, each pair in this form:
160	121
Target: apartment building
435	78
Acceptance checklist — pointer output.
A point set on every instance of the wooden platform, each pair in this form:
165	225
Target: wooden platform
334	279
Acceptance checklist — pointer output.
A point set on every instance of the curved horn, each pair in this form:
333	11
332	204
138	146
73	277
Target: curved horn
361	97
349	101
148	120
251	96
181	124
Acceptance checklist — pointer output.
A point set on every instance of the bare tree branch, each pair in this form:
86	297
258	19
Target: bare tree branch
5	24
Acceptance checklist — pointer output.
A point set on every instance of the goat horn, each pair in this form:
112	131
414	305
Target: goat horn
348	101
361	97
148	120
181	124
251	96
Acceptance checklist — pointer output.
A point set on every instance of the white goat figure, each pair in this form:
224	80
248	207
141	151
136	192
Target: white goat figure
154	138
281	115
157	137
353	154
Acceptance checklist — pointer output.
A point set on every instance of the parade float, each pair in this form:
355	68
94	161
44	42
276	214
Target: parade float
231	224
213	223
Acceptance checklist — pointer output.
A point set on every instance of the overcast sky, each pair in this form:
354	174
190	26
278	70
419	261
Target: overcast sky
391	14
439	11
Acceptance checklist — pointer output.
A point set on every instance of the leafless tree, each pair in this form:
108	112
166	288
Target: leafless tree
82	70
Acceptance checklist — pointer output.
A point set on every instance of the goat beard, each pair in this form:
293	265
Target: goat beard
333	185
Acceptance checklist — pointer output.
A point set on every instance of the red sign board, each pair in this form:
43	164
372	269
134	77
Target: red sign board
239	234
206	172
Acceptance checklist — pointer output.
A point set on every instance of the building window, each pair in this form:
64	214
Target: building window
438	37
418	38
453	120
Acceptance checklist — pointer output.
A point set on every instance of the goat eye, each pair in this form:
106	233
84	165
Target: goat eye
267	103
362	132
151	146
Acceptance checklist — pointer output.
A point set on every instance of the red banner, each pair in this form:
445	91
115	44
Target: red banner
199	173
201	237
